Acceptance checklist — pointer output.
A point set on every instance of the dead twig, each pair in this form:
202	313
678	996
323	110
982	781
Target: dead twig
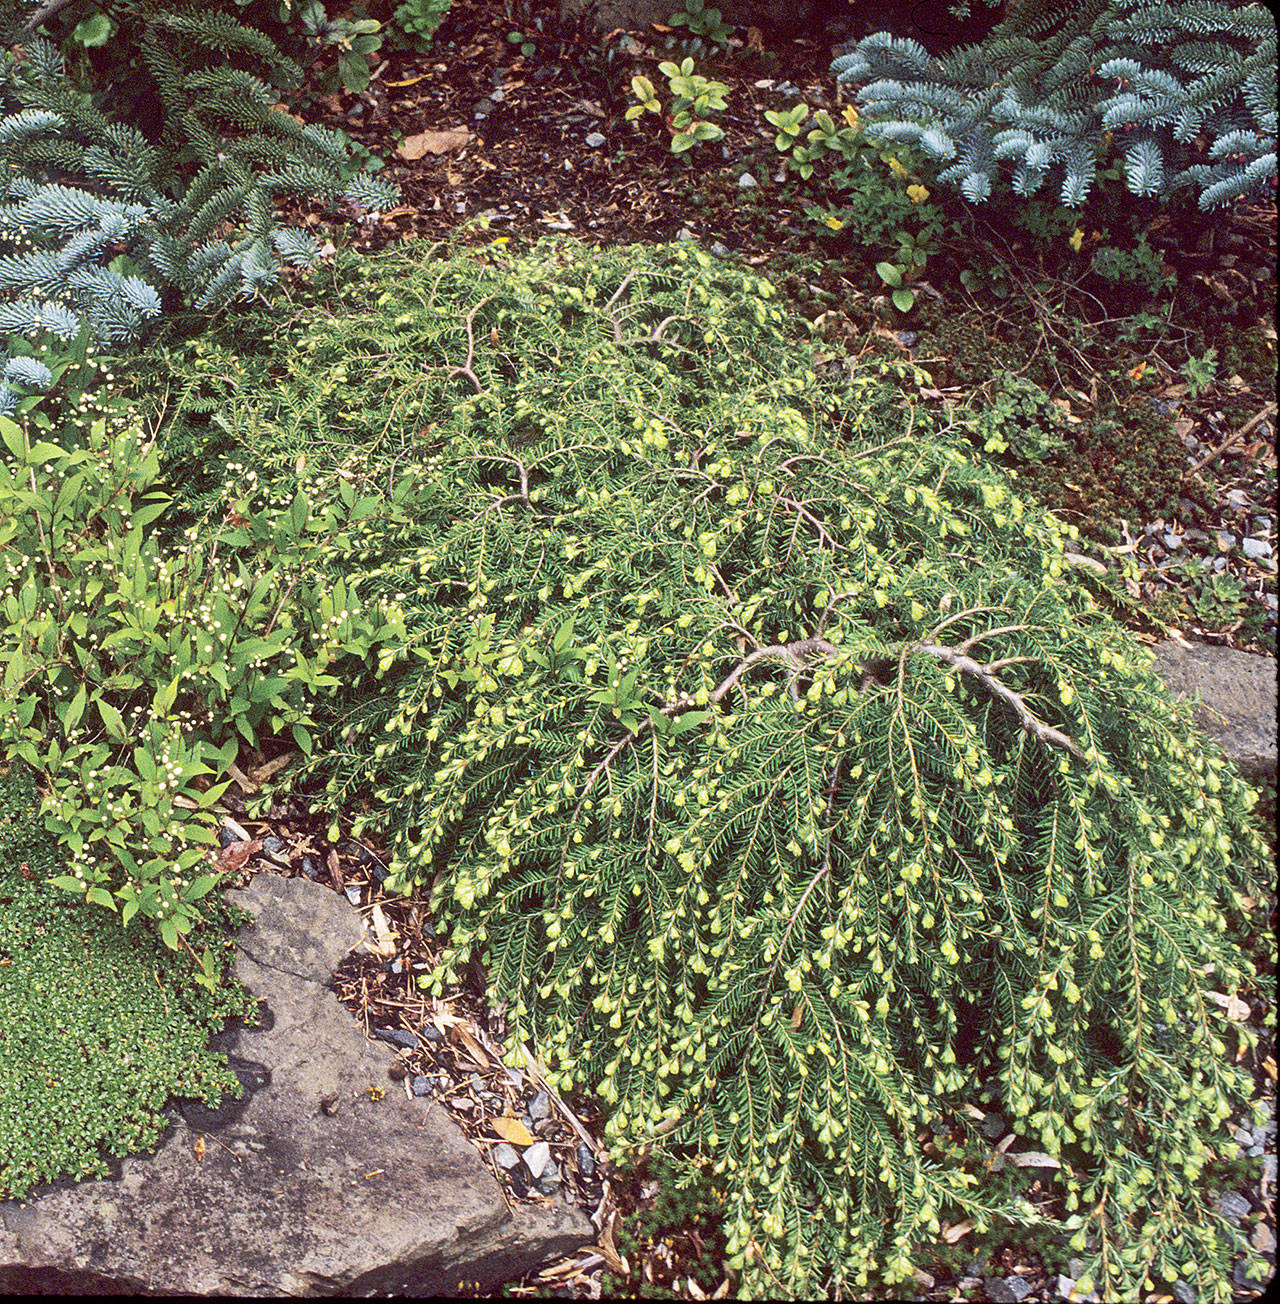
1234	437
465	369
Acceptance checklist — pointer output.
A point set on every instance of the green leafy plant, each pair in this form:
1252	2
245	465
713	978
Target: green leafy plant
99	1027
703	21
764	753
692	98
1020	421
1201	372
133	671
420	19
904	298
354	41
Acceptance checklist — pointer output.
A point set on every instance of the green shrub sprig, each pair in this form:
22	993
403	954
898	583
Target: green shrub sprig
133	672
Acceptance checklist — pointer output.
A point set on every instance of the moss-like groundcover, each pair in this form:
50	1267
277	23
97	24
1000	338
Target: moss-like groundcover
98	1027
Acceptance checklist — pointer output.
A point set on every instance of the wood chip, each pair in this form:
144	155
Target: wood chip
433	142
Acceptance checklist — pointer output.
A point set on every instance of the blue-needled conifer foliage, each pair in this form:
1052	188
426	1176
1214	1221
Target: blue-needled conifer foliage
1187	93
109	222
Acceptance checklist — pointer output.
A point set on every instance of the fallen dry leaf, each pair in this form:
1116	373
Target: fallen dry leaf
198	1149
473	1047
952	1234
513	1130
433	142
1033	1159
236	856
1237	1010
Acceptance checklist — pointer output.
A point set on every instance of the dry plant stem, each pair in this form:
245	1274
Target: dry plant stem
44	13
538	1074
1249	426
465	369
1036	728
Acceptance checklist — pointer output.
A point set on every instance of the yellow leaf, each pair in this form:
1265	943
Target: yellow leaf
850	115
513	1130
1077	239
835	223
895	166
917	194
198	1148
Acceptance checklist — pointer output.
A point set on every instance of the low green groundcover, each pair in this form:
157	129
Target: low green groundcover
98	1026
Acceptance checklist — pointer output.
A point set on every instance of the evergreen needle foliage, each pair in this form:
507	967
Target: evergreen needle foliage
757	745
161	185
1188	90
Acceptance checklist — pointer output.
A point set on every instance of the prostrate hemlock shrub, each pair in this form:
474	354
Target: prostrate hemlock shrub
764	753
1186	91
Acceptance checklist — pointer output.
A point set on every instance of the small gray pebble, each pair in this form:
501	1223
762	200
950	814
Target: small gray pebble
1172	540
1009	1290
993	1127
1065	1286
1226	540
906	338
1263	1132
1075	1269
1183	1293
504	1156
549	1182
1252	1152
968	1283
747	182
226	837
352	894
310	868
476	1082
1255	548
1232	1205
537	1157
433	1035
273	846
397	1037
540	1105
685	234
586	1161
421	1086
594	140
1263	1239
720	250
975	1268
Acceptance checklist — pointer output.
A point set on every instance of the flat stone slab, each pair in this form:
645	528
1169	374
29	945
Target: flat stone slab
1237	706
323	1179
